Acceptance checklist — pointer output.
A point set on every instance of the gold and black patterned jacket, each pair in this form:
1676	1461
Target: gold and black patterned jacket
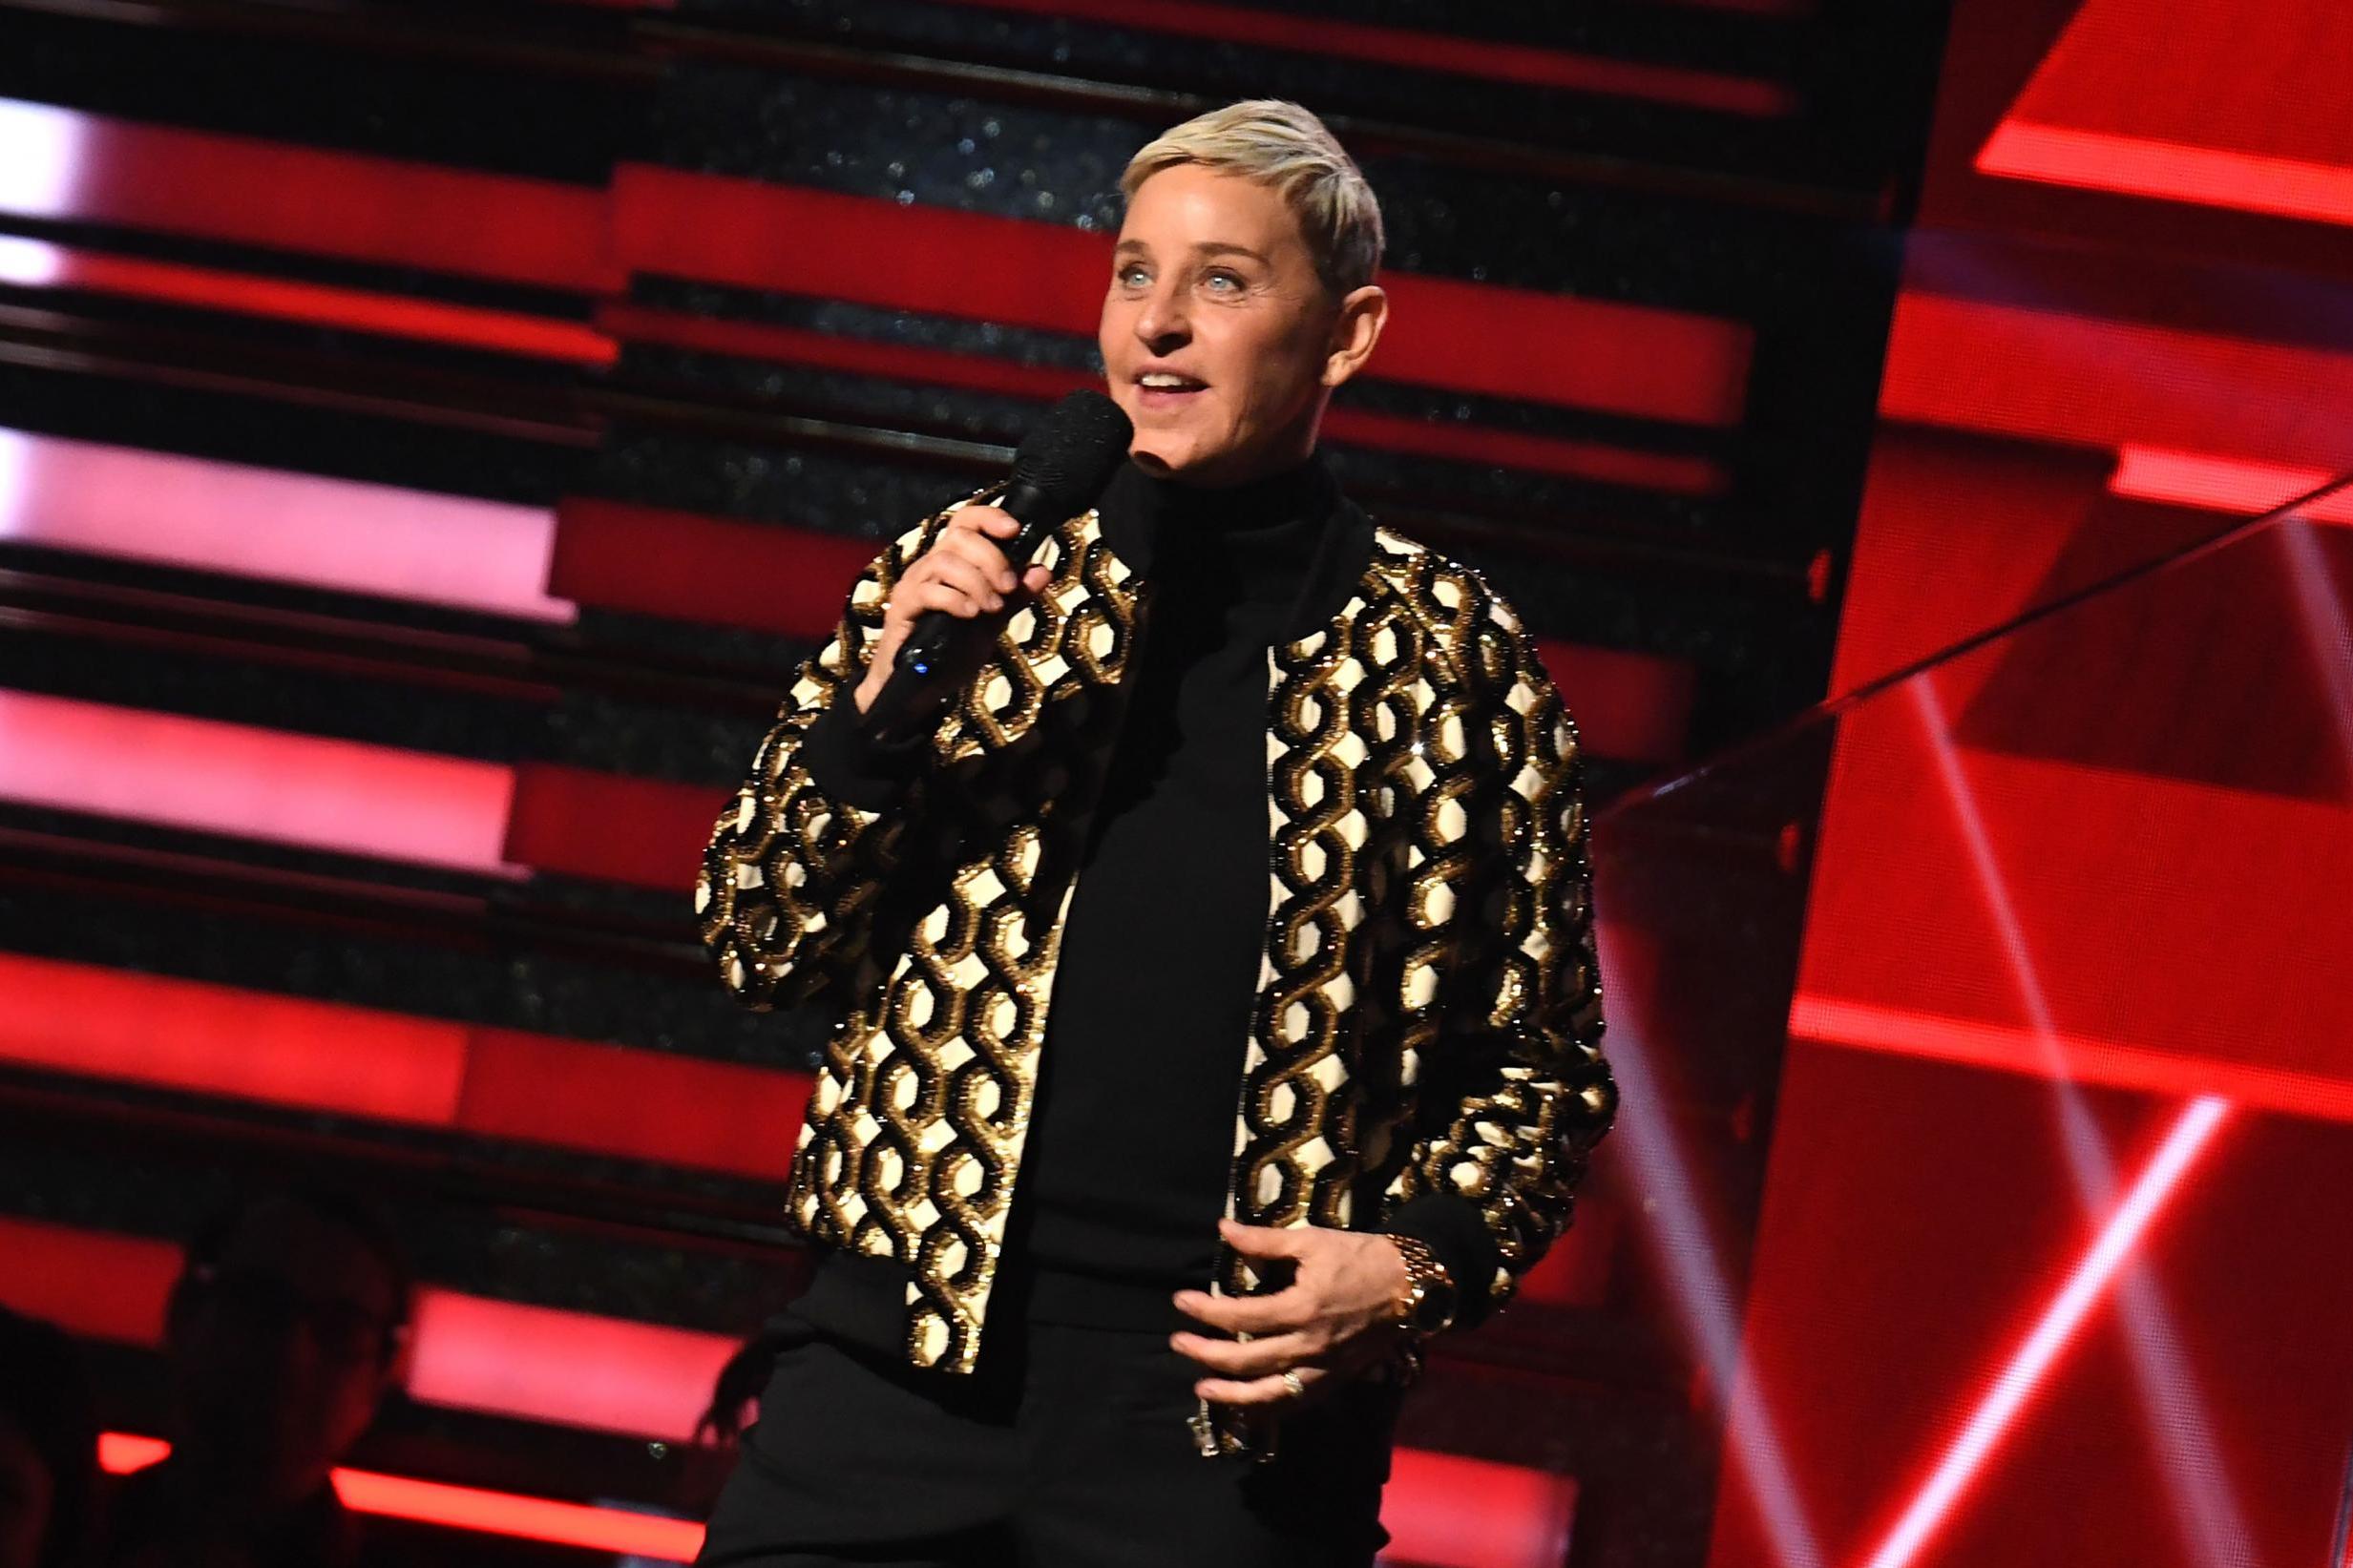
1424	1052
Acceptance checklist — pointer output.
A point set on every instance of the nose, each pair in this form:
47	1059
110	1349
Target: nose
1163	325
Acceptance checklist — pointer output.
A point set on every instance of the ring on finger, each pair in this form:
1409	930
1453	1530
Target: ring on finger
1290	1381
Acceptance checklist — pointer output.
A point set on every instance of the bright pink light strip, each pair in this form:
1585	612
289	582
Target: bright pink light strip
253	522
257	783
1997	1411
2223	484
569	1368
2209	177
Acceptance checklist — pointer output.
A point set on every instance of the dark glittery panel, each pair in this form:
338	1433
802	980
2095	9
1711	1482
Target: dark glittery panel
1198	72
971	154
458	1245
507	118
504	985
269	432
862	499
1015	344
654	741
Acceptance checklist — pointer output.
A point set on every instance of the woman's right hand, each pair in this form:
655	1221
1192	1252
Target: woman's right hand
964	574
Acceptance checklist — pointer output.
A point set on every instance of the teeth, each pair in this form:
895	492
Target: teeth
1163	380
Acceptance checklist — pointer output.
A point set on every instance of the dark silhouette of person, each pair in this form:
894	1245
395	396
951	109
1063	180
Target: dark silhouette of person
48	1449
283	1337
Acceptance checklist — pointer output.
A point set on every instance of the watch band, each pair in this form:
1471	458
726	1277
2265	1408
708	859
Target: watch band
1427	1305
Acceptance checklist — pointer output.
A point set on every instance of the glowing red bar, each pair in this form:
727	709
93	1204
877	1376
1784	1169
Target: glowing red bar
2054	375
65	165
2008	1048
1444	1508
1595	460
35	264
646	832
278	1049
567	1369
584	1525
1637	360
715	570
1524	64
99	1286
220	1040
341	535
257	784
2224	484
653	1106
2207	176
1997	1411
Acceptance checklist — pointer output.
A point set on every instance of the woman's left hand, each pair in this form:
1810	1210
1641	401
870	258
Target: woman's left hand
1336	1318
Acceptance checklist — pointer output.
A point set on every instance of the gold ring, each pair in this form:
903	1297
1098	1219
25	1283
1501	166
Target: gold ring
1290	1381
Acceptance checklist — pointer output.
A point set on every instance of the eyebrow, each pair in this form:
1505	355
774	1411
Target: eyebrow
1211	247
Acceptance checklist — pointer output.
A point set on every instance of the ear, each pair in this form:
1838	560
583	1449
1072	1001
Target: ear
1354	330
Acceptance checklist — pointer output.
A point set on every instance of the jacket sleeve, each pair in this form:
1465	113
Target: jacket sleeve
1516	1092
799	858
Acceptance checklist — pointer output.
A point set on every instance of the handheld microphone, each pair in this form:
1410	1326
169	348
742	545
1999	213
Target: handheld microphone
1060	469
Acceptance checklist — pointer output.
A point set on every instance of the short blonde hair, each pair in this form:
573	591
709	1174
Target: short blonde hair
1281	144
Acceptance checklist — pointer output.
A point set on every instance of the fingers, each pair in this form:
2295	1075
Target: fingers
1267	1241
963	601
988	520
969	548
1281	1312
1261	1390
1248	1358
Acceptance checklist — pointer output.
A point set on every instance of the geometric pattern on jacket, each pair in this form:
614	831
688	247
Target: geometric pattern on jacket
1428	1015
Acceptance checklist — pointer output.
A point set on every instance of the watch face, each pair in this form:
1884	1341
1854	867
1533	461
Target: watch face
1437	1307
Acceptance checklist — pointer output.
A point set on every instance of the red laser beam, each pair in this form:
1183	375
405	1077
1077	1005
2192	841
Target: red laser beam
1997	1411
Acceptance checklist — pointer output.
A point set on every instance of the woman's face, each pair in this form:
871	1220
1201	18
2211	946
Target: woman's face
26	1491
1217	336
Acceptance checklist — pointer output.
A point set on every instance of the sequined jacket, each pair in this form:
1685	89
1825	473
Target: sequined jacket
1424	1049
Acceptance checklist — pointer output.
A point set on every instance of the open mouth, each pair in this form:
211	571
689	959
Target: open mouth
1167	389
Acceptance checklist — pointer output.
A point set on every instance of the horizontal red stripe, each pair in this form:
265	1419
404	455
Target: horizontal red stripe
1523	64
212	1039
266	784
2224	484
64	164
1635	359
2087	381
2077	1058
1460	443
36	263
2206	177
655	561
646	832
637	1104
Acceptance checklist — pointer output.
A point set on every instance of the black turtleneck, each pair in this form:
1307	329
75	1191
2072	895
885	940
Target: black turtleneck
1125	1170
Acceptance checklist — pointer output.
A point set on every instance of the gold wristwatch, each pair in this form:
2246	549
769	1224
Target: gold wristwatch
1427	1306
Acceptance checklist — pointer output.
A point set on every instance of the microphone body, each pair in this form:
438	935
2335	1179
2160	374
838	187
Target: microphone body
1059	470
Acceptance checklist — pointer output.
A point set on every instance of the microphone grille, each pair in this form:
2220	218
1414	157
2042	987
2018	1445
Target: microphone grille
1071	454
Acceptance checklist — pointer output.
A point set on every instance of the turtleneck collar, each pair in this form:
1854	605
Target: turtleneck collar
1290	542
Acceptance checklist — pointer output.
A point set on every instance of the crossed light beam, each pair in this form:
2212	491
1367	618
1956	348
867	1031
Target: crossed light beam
2205	1505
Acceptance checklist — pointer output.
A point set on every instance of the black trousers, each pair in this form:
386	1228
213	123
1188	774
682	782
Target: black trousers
1067	1449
